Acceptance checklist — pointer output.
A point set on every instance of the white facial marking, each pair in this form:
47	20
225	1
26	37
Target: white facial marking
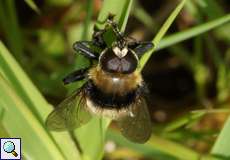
124	51
117	51
120	53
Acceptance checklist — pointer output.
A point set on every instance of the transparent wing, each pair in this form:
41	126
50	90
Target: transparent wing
137	126
71	113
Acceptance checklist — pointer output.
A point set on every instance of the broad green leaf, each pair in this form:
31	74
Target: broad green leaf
33	100
26	126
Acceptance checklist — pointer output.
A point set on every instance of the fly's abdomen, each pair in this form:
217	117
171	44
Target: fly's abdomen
109	100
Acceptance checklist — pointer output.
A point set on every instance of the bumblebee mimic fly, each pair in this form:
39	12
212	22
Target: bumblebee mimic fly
114	86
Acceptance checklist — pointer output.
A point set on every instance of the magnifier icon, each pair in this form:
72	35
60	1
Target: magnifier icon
9	147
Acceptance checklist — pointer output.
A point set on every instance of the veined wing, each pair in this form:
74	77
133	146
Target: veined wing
137	125
71	113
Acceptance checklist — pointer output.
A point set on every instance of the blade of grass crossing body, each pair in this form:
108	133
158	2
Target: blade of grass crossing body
91	136
187	34
161	33
120	8
36	142
29	94
117	8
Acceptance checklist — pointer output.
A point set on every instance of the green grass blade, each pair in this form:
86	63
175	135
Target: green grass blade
191	117
161	33
145	150
183	121
32	5
159	148
21	83
94	132
32	98
10	26
184	35
91	138
117	7
140	13
222	145
89	11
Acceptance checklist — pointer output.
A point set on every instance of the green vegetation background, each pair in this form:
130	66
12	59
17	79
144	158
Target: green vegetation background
35	53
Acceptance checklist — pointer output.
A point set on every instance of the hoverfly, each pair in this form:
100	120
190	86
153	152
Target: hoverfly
114	87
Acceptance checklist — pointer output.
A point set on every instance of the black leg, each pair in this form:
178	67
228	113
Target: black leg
75	76
140	47
83	47
98	38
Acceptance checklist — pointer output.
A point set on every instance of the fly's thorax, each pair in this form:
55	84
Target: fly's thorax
118	60
119	84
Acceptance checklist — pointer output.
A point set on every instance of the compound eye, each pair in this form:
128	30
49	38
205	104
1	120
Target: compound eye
113	64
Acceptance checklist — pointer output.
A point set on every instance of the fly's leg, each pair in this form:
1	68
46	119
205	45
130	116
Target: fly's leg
75	76
98	39
83	47
140	47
